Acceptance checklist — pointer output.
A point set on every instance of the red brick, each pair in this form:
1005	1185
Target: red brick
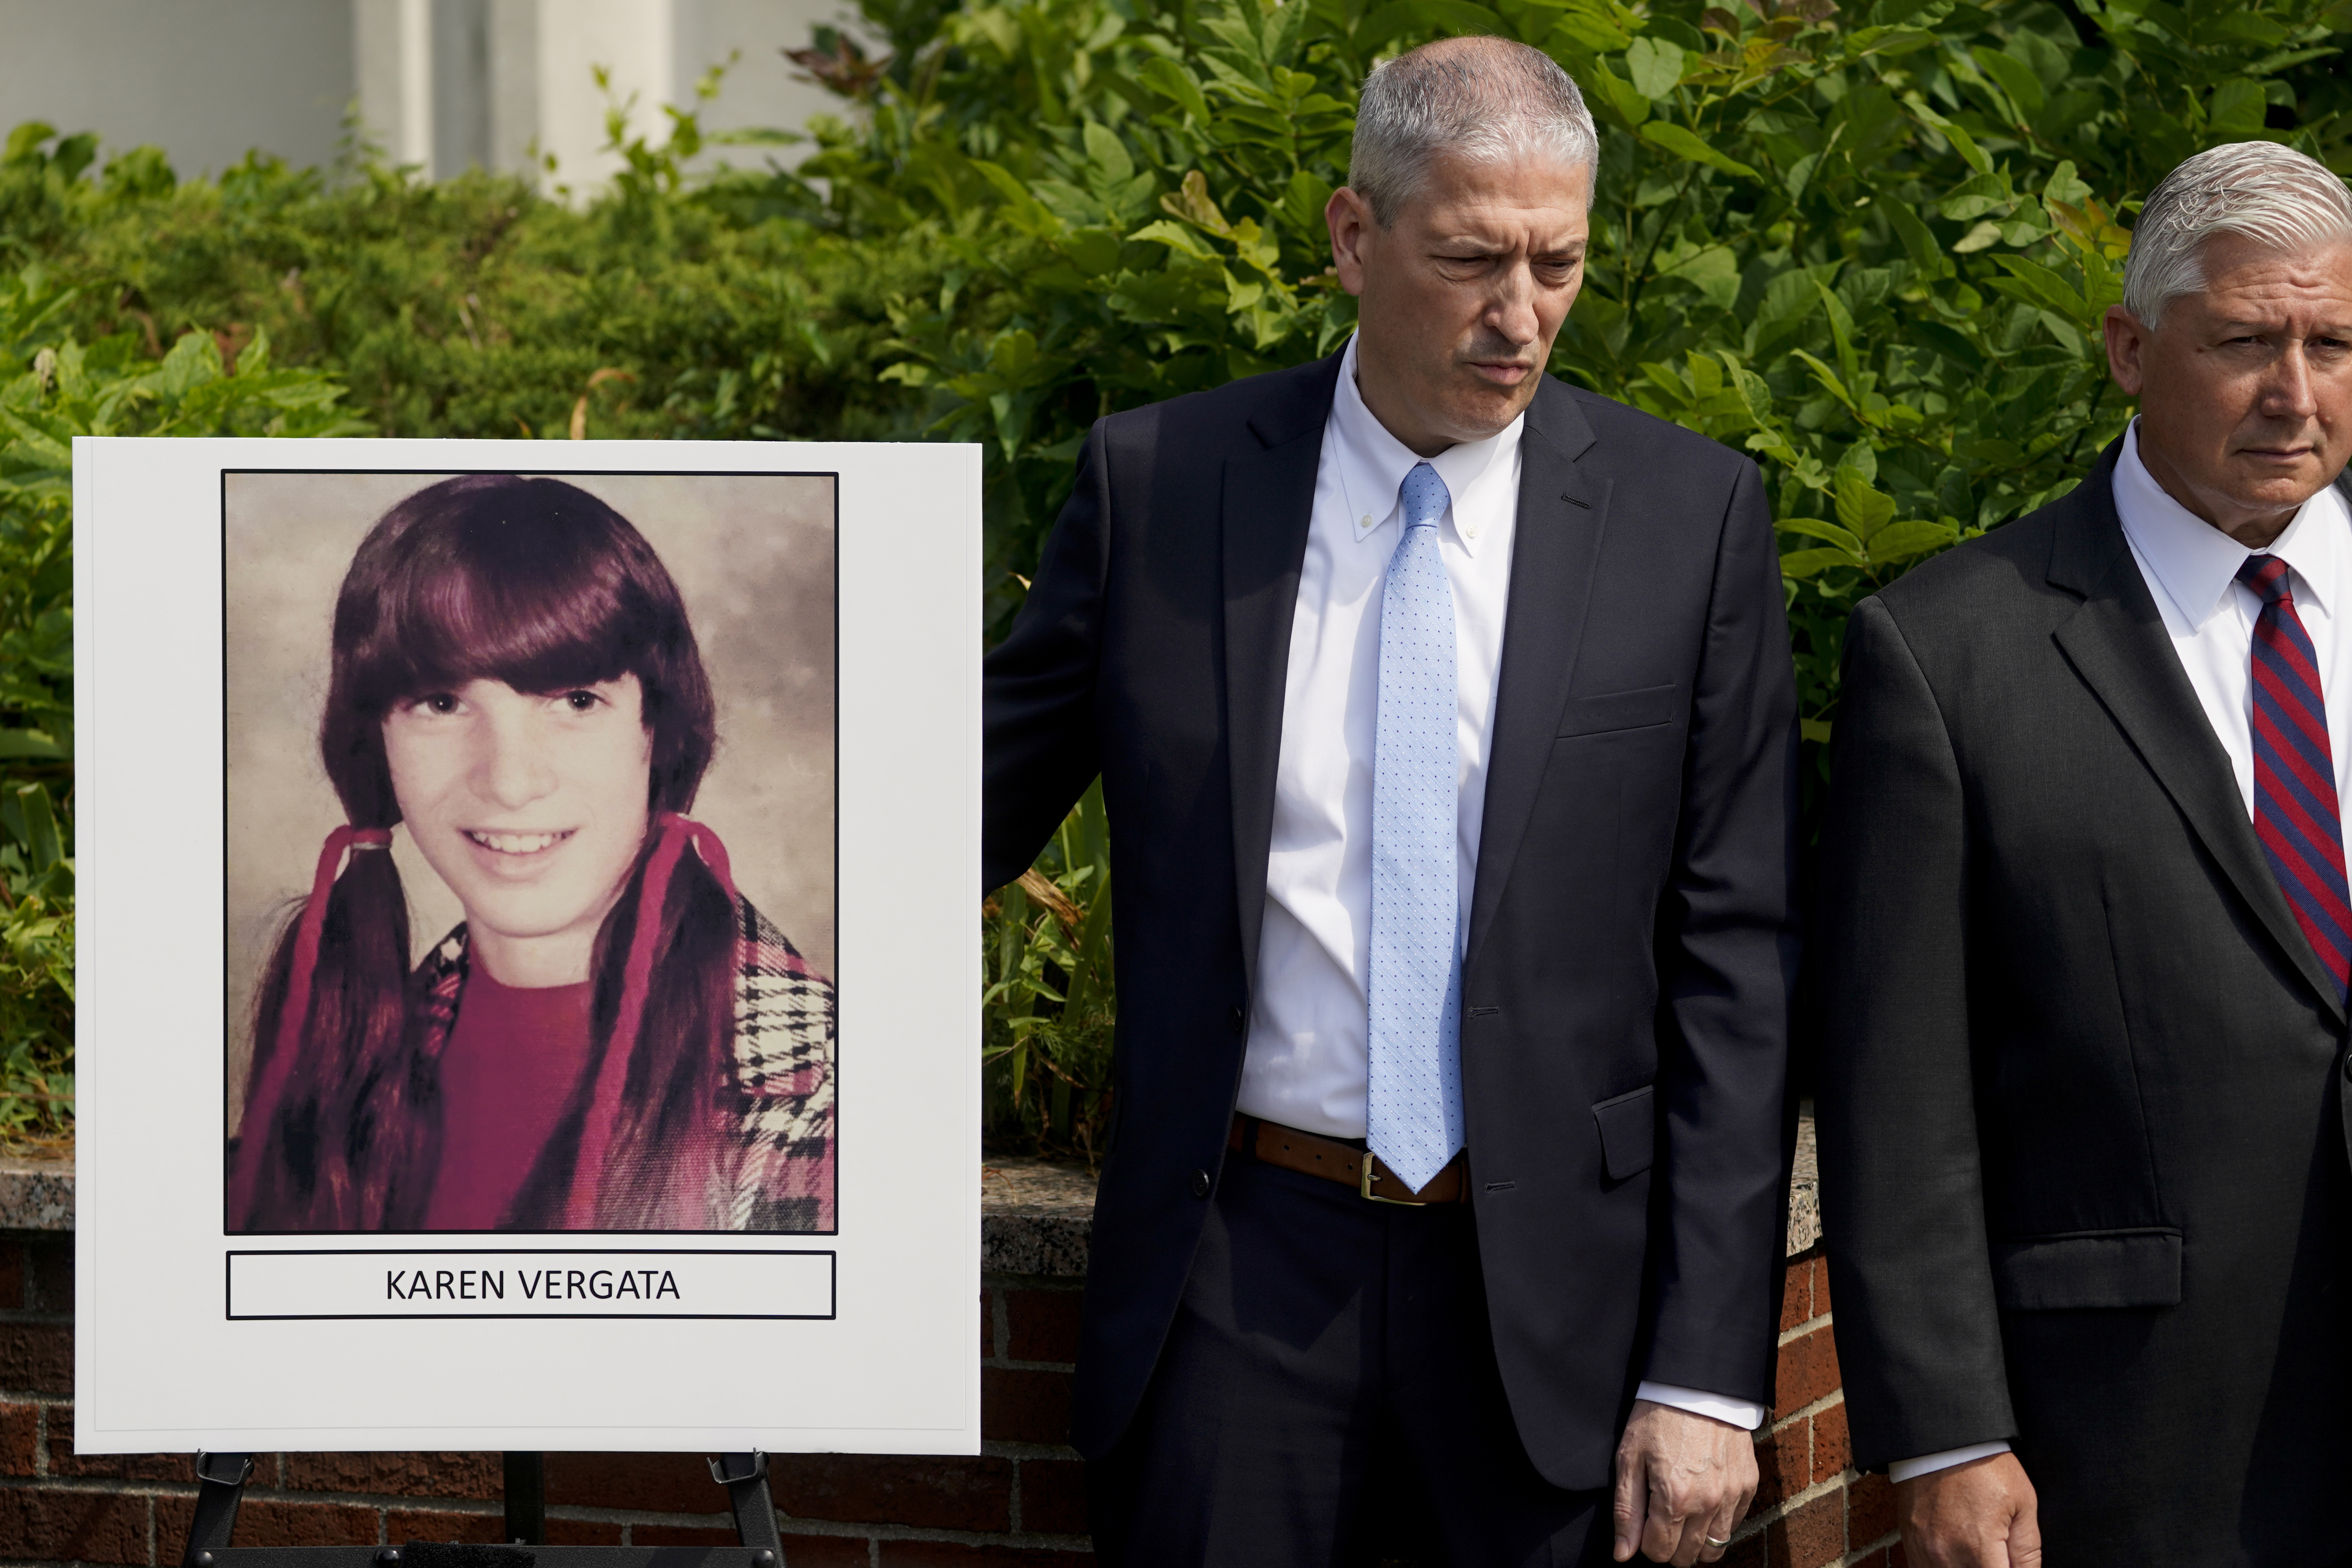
582	1533
948	1554
268	1521
19	1438
1045	1324
1822	1289
53	1276
86	1527
11	1276
1870	1510
873	1488
401	1524
36	1358
1024	1406
987	1326
1832	1446
1053	1497
826	1550
63	1461
1809	1536
1797	1294
1784	1465
657	1483
471	1476
1749	1552
1808	1370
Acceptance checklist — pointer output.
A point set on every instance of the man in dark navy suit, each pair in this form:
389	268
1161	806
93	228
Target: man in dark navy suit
1445	718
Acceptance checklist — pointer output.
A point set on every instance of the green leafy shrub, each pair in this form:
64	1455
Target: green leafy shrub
1047	1009
67	389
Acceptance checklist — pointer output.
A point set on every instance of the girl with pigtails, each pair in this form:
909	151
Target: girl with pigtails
615	1038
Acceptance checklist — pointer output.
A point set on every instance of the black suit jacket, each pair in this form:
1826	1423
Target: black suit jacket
2081	1133
1631	943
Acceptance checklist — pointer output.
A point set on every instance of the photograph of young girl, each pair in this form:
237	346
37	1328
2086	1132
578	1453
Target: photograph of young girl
491	964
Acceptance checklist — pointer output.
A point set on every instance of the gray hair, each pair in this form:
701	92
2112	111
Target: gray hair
1486	100
2271	195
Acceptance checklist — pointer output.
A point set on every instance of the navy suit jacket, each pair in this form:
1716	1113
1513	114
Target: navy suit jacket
1631	942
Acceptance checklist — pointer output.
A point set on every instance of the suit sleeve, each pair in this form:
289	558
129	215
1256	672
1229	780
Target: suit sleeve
1726	968
1902	1182
1038	687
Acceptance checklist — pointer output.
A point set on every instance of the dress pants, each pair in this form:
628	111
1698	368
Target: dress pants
1328	1381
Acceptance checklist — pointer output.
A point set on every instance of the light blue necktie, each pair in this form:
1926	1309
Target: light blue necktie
1413	1116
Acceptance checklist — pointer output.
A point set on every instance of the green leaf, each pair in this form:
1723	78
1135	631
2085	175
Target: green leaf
2237	110
2037	284
1861	506
1903	541
1802	563
1816	528
1173	83
1403	17
2014	77
1962	143
1977	195
1105	153
1175	236
1714	272
1655	66
1919	242
1617	102
1672	137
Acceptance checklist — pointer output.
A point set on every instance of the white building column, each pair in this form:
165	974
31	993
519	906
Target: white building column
446	85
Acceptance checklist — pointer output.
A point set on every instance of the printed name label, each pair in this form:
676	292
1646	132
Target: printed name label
528	1283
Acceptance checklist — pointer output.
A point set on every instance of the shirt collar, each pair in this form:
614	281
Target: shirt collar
1373	464
2195	563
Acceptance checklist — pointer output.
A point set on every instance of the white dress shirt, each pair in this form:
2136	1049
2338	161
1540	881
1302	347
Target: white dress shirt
1308	1055
2191	571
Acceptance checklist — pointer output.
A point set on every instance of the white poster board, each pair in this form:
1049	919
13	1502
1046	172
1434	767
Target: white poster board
793	1271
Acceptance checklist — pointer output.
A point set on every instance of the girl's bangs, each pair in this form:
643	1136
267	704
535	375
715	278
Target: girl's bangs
539	607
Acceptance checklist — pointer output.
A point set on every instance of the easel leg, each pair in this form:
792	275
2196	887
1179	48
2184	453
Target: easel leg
220	1487
745	1477
526	1490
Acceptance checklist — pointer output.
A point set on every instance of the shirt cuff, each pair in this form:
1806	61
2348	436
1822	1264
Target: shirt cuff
1741	1412
1927	1463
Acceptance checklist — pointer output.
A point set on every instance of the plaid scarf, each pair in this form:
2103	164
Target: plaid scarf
781	1086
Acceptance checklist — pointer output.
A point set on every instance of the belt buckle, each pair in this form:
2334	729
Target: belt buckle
1364	1186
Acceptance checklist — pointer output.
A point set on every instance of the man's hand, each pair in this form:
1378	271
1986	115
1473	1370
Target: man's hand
1681	1479
1977	1515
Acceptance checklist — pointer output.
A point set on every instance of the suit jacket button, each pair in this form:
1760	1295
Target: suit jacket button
1237	1020
1199	1184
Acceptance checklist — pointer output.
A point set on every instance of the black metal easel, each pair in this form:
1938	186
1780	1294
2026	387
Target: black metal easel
221	1480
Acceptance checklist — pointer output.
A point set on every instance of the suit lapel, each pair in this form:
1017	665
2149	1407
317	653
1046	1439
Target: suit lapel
1267	504
2117	644
1563	513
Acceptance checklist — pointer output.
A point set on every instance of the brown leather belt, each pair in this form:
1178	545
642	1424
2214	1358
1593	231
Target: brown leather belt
1311	1154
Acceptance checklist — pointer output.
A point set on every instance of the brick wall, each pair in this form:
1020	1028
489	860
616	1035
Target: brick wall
1019	1503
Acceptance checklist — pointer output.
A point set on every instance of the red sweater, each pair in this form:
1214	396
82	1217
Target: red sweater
510	1067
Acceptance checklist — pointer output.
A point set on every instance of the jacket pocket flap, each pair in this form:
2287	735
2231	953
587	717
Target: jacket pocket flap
1619	710
1629	1131
2096	1268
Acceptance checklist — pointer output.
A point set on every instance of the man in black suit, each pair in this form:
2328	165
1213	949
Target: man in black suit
1446	723
2084	942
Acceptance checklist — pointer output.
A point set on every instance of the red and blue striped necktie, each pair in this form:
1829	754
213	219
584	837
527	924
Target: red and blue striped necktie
2295	812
